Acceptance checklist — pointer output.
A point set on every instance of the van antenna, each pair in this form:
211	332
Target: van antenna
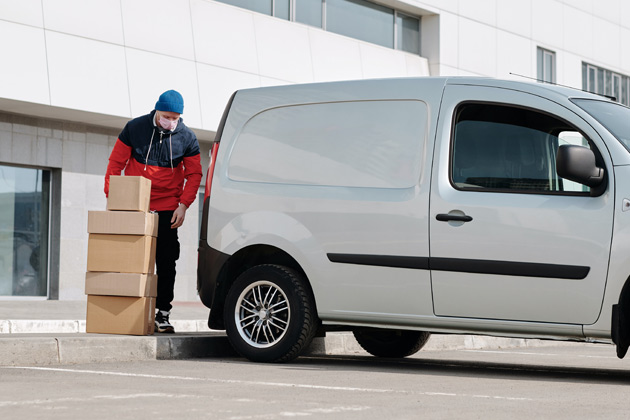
612	98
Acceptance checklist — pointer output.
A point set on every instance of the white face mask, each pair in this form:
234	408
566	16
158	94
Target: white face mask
167	124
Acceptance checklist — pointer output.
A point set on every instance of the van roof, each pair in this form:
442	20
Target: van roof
527	86
544	89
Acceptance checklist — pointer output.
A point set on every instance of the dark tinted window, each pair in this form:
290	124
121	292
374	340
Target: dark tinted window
497	147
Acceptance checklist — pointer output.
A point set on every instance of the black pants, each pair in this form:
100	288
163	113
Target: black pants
166	254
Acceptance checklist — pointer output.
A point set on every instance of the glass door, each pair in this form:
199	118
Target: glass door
24	228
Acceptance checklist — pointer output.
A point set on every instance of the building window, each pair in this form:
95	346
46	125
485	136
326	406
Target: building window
407	33
24	227
309	12
260	6
546	65
282	9
359	19
606	82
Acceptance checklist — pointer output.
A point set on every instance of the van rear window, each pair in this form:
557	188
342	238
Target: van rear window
377	144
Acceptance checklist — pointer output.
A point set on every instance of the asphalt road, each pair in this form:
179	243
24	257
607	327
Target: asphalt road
580	381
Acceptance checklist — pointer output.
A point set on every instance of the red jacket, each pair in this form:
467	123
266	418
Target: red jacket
166	158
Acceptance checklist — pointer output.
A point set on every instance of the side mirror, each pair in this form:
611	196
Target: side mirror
577	163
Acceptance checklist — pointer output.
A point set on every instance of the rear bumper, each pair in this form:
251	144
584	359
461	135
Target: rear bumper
209	268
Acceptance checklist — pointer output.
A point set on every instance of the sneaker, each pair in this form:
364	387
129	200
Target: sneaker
161	322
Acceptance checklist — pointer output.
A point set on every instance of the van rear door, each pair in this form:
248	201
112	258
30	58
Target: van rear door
509	239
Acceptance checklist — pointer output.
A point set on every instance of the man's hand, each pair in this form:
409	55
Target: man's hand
178	216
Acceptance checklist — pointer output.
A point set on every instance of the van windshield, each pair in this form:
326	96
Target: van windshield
615	117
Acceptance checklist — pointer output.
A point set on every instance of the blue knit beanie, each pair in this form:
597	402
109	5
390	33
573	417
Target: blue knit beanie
170	101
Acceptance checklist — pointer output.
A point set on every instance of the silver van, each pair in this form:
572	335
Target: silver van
399	207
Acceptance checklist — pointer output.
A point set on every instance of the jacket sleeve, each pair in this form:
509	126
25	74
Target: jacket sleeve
117	162
192	174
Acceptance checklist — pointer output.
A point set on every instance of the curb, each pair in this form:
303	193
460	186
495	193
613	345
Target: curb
74	348
30	326
64	349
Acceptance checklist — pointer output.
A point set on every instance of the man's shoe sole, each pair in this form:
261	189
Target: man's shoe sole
167	330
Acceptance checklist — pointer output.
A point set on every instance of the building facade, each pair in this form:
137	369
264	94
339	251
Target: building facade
75	72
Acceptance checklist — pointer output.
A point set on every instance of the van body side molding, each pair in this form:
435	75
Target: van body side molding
507	268
419	263
510	268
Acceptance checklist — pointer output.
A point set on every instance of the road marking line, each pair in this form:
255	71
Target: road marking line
92	398
262	383
303	413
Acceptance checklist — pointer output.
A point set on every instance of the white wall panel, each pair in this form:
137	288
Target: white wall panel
151	74
464	72
379	62
547	22
87	75
28	12
569	69
515	54
480	10
608	10
477	48
216	85
515	17
578	31
269	81
446	5
283	49
449	40
334	57
224	36
584	5
624	51
606	40
72	263
624	14
161	26
26	77
416	65
96	19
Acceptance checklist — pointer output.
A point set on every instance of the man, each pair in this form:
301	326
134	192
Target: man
158	146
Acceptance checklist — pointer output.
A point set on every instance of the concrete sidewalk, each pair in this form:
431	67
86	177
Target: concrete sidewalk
55	316
53	332
48	332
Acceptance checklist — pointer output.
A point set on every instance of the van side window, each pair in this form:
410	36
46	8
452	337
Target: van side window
510	149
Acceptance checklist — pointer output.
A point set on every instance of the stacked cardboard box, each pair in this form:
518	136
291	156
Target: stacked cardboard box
120	280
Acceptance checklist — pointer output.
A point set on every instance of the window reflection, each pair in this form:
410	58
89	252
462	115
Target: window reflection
24	209
309	12
362	20
260	6
407	33
359	19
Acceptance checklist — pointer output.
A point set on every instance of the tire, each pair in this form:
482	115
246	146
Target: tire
270	314
390	343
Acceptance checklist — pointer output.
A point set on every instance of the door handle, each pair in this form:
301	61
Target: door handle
443	217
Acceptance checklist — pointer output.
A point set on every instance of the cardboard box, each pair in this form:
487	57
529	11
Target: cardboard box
121	284
120	315
123	222
132	193
121	253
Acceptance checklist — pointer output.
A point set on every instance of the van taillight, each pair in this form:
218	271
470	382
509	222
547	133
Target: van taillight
213	159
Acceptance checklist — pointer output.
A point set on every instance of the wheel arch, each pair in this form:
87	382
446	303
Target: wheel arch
620	325
241	261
